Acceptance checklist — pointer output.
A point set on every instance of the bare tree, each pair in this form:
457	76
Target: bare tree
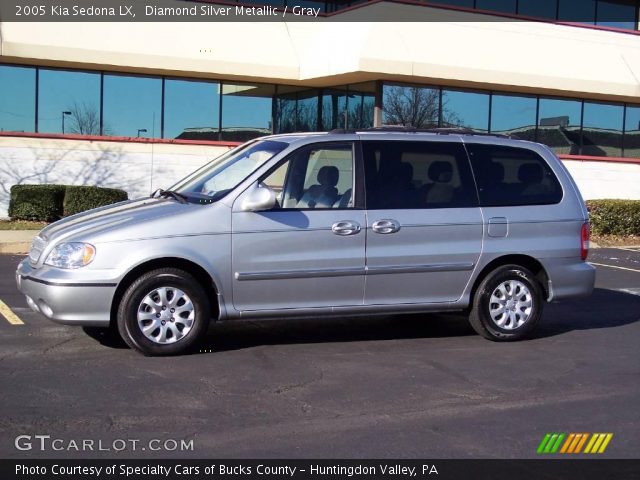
85	120
417	107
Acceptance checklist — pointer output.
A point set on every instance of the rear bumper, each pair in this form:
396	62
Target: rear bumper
570	278
62	301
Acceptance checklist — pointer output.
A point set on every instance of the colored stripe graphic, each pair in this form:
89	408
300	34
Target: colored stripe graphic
573	443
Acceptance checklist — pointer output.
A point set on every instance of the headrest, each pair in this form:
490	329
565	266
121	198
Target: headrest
530	173
328	176
440	172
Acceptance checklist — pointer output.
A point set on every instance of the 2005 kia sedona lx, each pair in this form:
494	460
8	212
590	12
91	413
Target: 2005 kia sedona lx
339	223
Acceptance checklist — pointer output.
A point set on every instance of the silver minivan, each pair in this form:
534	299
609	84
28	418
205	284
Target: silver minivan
318	224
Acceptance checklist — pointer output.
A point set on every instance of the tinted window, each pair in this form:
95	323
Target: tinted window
400	175
632	132
246	111
505	6
411	106
191	110
513	115
602	129
318	176
577	10
296	111
538	8
17	99
465	109
512	176
457	3
617	13
132	106
559	125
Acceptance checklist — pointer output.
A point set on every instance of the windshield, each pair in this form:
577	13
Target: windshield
224	173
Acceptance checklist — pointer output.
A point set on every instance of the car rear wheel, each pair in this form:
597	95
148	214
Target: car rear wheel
507	304
164	312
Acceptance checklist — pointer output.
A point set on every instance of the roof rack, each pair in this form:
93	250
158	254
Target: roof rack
410	129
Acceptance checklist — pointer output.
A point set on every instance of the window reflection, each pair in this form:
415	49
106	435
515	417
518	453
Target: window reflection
296	110
17	99
503	6
602	129
465	109
191	109
361	105
69	102
131	105
632	132
411	106
246	111
577	11
334	109
619	14
538	8
457	3
559	124
514	115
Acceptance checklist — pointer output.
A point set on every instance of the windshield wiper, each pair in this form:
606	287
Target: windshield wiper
170	193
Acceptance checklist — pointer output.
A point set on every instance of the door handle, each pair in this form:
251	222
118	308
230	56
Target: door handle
385	226
345	227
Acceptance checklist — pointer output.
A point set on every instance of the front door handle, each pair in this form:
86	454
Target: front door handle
386	226
345	227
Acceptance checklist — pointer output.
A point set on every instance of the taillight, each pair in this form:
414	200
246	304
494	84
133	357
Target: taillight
585	234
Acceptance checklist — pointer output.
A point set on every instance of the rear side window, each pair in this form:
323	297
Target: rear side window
412	175
508	176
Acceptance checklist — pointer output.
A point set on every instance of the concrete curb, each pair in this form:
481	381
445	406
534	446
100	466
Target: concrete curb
16	241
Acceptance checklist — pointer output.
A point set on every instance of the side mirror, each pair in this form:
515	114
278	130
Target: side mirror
258	198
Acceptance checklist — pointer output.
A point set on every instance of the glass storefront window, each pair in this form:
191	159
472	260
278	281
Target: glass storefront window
632	132
334	109
191	109
410	106
559	124
465	109
577	11
296	110
617	13
457	3
538	8
246	111
69	102
361	105
502	6
132	106
602	129
17	99
514	115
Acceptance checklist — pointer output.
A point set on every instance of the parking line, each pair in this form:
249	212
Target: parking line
615	266
11	317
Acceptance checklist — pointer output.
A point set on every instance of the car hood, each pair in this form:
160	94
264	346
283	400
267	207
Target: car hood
128	218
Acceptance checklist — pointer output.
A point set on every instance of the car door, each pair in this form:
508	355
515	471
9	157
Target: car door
424	226
308	251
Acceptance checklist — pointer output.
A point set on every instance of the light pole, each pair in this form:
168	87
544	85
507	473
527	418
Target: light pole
63	115
141	130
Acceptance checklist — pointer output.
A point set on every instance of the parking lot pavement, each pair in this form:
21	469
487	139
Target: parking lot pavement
422	386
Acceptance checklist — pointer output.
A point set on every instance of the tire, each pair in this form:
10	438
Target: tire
500	315
172	301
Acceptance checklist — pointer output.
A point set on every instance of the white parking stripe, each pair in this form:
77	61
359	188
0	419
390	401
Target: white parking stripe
615	266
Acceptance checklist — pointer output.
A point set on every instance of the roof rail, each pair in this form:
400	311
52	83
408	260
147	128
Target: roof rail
436	130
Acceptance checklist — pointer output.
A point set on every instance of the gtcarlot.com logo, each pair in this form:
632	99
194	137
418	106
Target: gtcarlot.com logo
574	443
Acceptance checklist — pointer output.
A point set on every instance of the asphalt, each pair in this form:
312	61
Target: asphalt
422	386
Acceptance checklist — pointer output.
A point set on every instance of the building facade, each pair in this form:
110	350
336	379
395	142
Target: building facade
138	105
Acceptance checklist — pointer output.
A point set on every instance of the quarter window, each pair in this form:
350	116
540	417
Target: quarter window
411	175
509	176
319	176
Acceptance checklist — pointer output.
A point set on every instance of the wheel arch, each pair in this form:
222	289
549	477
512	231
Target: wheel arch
201	275
530	263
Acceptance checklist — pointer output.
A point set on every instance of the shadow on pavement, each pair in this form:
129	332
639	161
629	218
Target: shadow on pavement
604	309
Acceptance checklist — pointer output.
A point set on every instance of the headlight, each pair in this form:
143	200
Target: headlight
71	255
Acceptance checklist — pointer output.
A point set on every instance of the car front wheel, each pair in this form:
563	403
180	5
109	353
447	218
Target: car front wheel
507	304
164	312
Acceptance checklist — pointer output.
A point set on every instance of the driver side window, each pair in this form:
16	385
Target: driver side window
315	177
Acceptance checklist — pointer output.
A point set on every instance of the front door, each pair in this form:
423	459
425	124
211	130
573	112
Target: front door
309	251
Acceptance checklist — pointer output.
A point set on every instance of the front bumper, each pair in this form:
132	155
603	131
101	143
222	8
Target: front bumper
51	292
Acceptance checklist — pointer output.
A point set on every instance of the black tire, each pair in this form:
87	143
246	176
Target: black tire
127	317
480	315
